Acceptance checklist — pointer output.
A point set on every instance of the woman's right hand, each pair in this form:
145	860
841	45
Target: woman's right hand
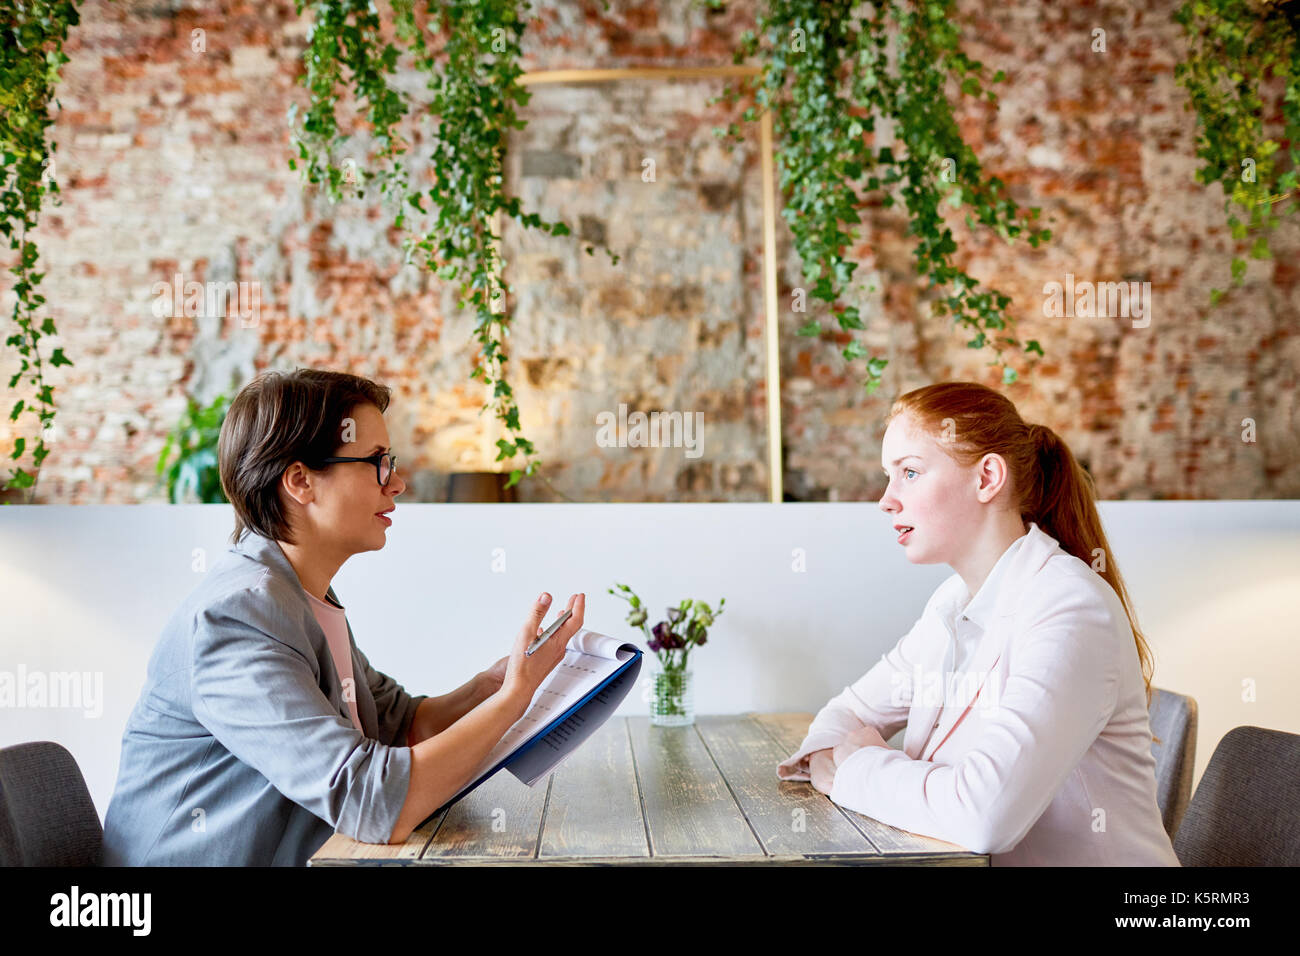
525	674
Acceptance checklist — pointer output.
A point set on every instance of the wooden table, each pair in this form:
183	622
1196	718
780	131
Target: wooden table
637	794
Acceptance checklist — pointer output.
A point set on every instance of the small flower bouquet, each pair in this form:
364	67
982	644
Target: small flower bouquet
671	640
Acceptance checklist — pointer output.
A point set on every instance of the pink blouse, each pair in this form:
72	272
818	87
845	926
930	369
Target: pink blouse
333	621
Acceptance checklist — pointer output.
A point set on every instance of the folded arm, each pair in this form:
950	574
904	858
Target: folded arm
1058	697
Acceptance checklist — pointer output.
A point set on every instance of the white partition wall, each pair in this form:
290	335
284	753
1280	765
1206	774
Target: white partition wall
815	594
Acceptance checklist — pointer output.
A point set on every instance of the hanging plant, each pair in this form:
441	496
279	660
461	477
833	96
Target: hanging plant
473	81
1234	47
32	35
827	78
824	75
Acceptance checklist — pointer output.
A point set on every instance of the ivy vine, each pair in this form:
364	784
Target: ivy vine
474	96
32	35
1235	46
827	78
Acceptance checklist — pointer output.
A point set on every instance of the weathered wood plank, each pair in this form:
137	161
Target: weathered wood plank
689	810
789	817
595	806
499	820
341	850
789	730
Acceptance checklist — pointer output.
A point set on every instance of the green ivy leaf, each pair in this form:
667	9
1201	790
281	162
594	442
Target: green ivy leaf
849	319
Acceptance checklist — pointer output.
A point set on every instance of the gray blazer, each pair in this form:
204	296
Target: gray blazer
241	750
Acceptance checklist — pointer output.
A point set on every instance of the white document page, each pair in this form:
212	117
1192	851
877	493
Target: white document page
591	658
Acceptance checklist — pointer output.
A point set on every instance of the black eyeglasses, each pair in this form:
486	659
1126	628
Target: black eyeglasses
385	464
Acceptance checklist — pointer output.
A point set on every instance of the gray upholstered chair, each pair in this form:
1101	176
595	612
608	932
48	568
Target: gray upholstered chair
1246	808
1173	722
46	815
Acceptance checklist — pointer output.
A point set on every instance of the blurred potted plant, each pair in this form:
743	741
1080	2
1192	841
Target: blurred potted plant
194	474
671	640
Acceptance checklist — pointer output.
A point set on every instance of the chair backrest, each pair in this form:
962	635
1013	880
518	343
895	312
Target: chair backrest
46	815
1246	808
1173	722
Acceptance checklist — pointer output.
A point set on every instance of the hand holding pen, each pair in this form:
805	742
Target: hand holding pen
546	635
537	652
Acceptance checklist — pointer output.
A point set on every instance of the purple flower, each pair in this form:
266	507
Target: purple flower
659	640
666	638
674	615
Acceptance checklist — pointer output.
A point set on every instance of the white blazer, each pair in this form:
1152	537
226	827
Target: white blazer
1039	751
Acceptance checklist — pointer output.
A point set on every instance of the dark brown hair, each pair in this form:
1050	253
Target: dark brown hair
275	420
1050	487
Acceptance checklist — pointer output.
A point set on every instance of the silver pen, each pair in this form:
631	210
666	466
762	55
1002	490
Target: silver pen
542	638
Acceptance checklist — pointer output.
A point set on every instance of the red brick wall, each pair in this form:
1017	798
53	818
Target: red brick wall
174	161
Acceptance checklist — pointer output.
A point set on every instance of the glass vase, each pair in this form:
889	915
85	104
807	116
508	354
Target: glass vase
673	701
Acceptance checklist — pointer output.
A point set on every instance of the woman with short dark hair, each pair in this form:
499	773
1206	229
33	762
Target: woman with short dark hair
262	728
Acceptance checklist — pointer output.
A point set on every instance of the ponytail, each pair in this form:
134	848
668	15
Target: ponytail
1053	489
1061	499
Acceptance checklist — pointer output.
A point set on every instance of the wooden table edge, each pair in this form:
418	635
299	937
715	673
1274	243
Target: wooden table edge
956	857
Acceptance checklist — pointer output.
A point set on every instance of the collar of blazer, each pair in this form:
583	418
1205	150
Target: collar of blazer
267	552
930	720
1035	549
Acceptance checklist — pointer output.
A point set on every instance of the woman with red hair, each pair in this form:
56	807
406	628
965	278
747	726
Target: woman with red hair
1024	685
